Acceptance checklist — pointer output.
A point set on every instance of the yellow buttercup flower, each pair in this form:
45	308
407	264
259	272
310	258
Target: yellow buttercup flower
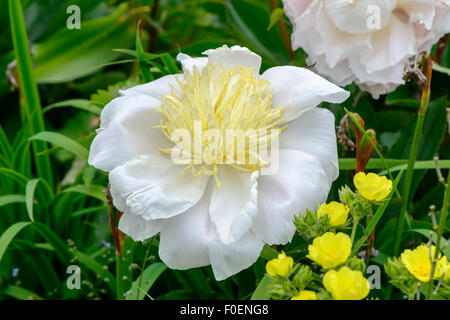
280	266
418	262
372	187
330	250
346	284
337	212
305	295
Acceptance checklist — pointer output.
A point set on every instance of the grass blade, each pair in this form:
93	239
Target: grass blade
21	293
151	274
11	198
9	234
92	190
28	88
63	142
29	196
262	290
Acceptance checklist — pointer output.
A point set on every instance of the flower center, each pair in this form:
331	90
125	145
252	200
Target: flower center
220	116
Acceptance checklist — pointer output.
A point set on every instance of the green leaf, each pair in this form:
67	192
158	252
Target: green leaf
441	69
268	253
28	87
71	54
82	104
11	198
275	16
91	190
150	275
21	293
262	290
29	196
60	246
63	142
5	146
97	268
143	66
9	234
444	246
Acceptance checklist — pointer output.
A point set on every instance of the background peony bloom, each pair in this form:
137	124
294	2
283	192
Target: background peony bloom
218	214
366	41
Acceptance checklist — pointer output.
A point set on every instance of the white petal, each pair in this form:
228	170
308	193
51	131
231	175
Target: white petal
421	11
390	46
353	19
184	239
126	130
233	57
227	260
233	205
156	89
295	8
338	45
298	90
138	228
153	188
188	62
299	184
189	240
314	133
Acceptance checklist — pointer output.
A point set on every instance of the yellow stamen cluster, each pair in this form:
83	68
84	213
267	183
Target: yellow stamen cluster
228	114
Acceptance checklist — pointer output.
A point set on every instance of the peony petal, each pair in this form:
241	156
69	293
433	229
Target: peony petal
339	45
156	89
126	130
295	8
233	57
152	187
233	205
138	228
188	62
300	184
314	133
189	240
298	90
420	11
354	18
390	46
227	260
184	239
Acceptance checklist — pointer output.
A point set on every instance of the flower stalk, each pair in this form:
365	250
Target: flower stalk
425	100
442	222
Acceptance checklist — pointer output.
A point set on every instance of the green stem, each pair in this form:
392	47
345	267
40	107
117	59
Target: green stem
143	268
442	223
119	276
425	100
355	225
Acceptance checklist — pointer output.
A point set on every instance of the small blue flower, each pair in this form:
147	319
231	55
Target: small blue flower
15	272
106	244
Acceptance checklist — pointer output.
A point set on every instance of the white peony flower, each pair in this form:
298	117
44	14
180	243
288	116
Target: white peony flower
366	41
209	212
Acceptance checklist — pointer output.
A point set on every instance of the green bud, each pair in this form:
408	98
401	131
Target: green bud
356	264
302	278
324	295
400	277
310	225
359	207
